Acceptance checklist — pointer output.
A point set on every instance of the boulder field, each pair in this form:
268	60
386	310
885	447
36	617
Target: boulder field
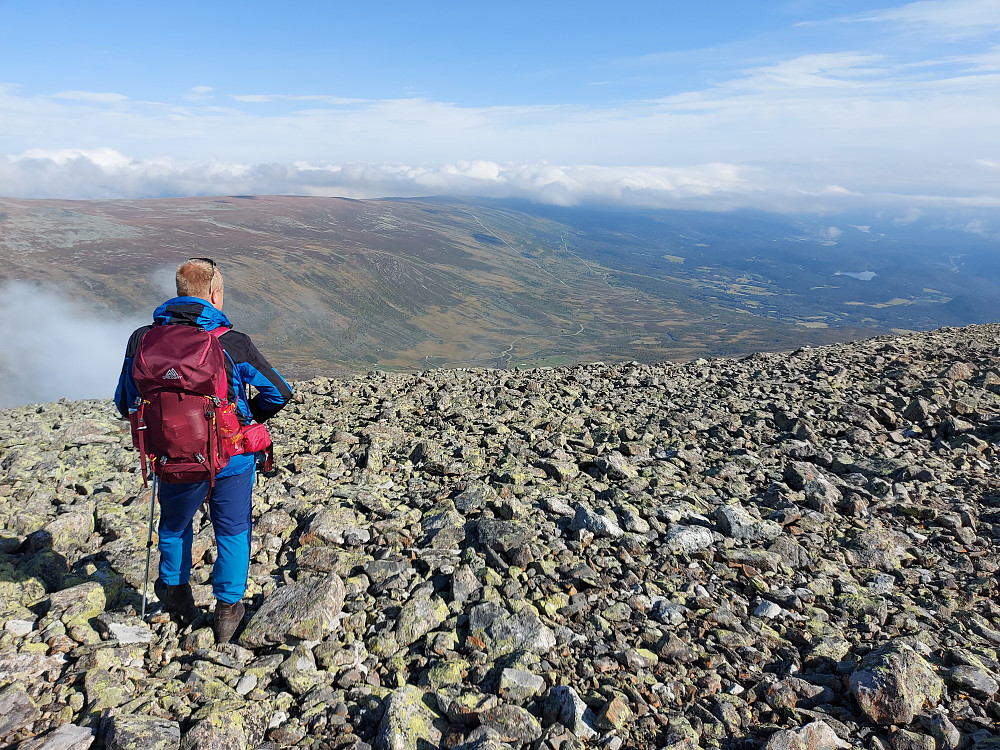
779	551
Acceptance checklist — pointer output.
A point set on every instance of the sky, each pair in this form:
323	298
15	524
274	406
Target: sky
811	106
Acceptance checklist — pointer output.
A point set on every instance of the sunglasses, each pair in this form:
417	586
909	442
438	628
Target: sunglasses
205	260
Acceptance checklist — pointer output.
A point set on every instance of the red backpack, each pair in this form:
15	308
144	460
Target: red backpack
183	420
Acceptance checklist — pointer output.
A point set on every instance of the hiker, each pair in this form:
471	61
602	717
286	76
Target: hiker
199	303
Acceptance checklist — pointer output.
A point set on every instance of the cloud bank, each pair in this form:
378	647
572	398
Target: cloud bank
54	348
105	174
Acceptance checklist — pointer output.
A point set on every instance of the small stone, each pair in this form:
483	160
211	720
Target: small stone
767	610
668	612
518	686
63	737
615	714
504	633
737	523
418	617
129	634
944	732
246	684
227	726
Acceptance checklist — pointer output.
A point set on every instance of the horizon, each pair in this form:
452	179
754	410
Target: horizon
797	106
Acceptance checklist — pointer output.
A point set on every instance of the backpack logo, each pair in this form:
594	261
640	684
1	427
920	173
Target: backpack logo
171	375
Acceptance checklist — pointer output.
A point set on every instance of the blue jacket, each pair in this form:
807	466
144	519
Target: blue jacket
245	366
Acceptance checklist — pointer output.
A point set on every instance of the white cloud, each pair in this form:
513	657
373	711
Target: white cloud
106	174
802	132
281	98
199	93
90	96
951	18
82	352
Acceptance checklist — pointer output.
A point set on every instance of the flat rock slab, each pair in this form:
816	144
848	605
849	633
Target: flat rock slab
64	737
815	736
137	732
304	609
228	726
503	633
687	539
24	667
16	709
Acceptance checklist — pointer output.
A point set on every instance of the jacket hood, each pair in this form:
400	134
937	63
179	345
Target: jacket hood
192	311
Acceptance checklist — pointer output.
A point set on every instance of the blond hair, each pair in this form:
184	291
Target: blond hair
198	277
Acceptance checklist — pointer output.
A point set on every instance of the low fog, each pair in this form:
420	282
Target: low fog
52	347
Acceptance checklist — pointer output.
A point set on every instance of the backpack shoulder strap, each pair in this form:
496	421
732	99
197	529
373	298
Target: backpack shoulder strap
217	333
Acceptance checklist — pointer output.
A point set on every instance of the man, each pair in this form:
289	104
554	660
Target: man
199	303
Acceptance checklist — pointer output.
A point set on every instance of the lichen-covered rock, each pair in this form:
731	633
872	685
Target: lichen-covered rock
140	732
418	617
408	722
227	726
78	605
518	686
511	723
503	633
699	552
443	527
304	609
894	683
877	548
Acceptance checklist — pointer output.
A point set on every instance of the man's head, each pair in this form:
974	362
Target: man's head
200	277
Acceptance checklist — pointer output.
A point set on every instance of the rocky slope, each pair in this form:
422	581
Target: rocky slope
779	551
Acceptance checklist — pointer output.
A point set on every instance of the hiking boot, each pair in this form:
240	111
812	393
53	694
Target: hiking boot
227	619
177	599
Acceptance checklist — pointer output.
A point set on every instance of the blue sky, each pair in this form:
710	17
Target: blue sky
801	105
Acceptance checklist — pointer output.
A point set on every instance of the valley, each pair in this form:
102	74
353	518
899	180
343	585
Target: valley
329	286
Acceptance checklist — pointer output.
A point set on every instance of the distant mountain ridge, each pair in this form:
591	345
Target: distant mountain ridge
330	285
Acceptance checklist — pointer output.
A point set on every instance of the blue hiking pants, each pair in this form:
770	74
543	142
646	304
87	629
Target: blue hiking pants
229	508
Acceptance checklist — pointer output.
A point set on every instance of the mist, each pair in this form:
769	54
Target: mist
53	347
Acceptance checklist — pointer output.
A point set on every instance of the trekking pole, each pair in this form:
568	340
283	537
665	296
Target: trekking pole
149	544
